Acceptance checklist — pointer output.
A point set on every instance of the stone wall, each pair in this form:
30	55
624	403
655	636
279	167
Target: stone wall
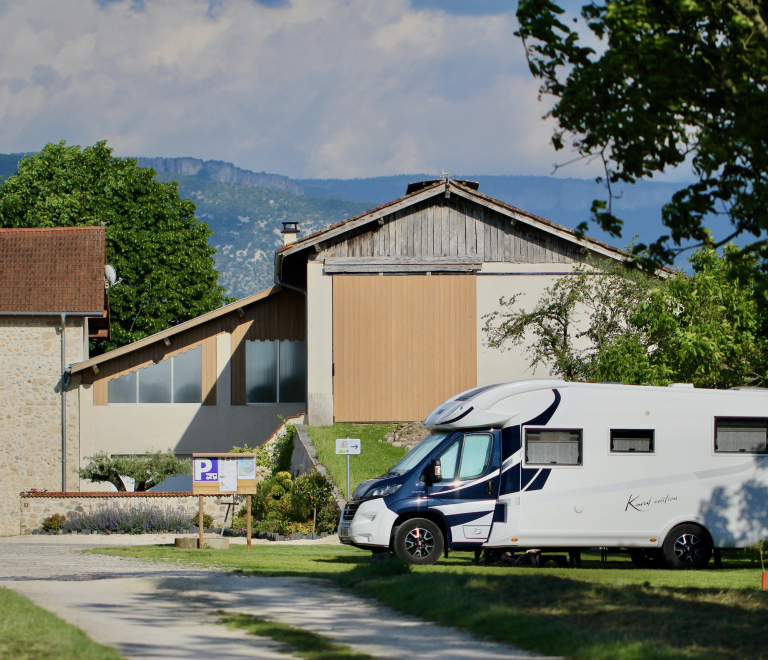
35	507
30	410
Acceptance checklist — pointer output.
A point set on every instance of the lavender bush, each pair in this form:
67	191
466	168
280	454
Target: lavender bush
140	518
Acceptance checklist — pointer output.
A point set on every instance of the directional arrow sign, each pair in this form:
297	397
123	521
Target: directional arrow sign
348	446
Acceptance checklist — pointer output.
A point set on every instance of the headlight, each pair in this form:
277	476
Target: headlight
384	490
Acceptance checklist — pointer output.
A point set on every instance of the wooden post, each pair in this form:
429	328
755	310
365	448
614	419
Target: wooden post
200	524
248	516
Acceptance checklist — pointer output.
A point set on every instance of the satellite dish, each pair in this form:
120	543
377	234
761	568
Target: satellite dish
110	274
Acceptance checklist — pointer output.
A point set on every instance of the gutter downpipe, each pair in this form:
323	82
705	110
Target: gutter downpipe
64	383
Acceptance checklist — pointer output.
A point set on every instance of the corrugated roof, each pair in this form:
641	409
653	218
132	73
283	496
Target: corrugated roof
56	269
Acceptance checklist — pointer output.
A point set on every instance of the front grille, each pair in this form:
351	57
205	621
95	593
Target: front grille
350	509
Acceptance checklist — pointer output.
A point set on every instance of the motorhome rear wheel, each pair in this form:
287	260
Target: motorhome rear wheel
418	541
687	546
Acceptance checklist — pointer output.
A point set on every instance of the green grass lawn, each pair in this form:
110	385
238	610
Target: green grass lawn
599	612
375	457
28	632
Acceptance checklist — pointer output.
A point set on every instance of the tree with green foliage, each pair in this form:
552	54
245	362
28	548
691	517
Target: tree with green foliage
315	491
158	248
576	320
618	325
146	470
669	80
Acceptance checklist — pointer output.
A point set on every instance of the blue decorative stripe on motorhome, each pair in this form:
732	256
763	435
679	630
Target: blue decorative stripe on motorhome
456	419
526	474
500	513
541	420
510	441
538	482
464	518
510	480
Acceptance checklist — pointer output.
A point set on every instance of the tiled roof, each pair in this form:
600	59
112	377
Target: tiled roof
52	270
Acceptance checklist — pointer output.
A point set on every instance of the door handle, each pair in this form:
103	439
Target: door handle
489	487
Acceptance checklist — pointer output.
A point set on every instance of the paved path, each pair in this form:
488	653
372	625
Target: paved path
163	610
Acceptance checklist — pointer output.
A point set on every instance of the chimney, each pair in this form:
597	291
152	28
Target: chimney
290	232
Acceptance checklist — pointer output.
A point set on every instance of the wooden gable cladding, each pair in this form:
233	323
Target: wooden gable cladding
453	227
202	335
278	317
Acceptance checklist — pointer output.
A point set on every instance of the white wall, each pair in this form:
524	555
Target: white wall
319	345
495	280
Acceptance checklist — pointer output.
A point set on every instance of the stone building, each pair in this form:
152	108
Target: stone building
50	280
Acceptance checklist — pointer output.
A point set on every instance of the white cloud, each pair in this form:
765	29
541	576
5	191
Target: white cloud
308	89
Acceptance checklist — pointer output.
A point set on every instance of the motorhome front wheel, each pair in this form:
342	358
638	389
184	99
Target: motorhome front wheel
687	546
418	541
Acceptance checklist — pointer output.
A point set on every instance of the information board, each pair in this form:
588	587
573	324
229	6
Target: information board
347	446
233	474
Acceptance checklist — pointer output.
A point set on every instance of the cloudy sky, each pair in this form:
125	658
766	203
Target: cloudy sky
307	88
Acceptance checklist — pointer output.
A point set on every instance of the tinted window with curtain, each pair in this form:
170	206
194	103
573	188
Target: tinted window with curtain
155	383
476	455
293	371
123	389
741	434
556	447
640	441
188	376
261	371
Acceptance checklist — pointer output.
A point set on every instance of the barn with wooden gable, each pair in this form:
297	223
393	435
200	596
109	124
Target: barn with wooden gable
396	298
378	318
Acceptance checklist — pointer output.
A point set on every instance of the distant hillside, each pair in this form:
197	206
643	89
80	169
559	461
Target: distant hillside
247	221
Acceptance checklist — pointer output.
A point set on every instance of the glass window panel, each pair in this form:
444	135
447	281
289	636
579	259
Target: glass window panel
123	389
553	447
476	455
188	376
261	371
640	441
293	371
749	435
448	460
155	383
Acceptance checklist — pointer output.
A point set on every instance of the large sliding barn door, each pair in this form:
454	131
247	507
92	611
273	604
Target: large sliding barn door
401	344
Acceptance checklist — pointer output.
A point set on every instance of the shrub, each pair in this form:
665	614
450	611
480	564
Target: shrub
54	523
138	518
315	491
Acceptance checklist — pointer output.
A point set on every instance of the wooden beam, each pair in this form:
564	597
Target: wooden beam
240	312
166	341
95	369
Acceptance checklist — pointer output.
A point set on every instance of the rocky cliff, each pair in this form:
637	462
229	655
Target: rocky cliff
218	170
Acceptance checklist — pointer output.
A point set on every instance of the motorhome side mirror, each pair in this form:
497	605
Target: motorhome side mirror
434	472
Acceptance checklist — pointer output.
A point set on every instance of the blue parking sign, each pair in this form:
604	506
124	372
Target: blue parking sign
206	469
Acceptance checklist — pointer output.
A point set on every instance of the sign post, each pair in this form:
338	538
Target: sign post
348	446
214	474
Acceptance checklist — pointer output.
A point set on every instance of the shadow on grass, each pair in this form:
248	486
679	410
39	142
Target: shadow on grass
587	614
557	615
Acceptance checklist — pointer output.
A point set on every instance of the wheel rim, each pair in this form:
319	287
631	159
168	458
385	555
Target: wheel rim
689	549
419	543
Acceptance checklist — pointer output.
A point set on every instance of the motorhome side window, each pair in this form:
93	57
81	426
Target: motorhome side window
467	458
553	446
632	440
748	435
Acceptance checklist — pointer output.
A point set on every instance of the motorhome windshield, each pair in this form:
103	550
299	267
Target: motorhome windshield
414	457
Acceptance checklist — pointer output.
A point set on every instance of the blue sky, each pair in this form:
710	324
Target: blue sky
335	88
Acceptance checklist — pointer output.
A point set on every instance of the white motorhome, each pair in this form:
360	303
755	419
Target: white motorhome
666	472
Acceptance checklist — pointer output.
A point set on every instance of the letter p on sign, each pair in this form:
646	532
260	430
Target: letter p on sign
202	466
